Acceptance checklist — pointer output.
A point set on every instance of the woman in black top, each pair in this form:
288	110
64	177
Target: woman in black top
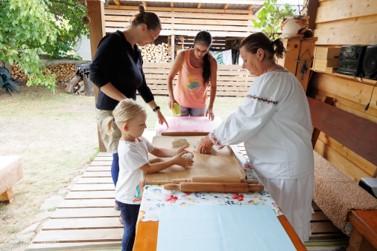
117	71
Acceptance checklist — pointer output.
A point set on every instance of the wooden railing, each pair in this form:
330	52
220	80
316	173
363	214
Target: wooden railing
232	80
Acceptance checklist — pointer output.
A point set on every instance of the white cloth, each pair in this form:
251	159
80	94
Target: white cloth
274	123
132	156
294	199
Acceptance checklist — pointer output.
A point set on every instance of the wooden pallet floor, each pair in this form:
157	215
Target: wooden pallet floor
87	220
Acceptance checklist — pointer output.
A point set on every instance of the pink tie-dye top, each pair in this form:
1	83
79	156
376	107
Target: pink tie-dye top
190	91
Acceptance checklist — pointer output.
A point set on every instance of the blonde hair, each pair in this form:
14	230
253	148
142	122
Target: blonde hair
126	110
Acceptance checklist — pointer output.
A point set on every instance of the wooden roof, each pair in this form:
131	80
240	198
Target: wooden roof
184	17
253	5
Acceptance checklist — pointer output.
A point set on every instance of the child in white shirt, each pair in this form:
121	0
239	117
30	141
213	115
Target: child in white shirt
133	152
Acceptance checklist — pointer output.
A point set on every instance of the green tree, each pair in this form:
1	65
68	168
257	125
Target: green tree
31	27
70	16
26	26
270	16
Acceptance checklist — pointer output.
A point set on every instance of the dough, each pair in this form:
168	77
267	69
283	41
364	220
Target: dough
179	143
188	155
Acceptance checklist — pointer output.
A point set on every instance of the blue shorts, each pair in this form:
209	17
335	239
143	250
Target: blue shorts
187	111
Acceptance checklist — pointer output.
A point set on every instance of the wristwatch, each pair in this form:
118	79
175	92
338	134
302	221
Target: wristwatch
157	108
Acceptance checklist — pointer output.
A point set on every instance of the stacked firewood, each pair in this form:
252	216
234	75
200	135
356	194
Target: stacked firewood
156	53
63	72
18	74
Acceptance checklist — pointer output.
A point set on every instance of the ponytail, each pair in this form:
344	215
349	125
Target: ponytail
278	48
205	37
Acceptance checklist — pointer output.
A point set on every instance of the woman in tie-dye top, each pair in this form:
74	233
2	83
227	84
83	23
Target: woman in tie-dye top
197	70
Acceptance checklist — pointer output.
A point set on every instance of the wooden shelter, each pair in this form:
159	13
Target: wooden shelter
335	23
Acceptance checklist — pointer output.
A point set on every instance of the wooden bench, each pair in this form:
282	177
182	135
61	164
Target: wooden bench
10	172
336	194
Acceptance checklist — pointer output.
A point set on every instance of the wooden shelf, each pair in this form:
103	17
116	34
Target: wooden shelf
354	78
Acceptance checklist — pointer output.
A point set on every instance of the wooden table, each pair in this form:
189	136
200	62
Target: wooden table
146	235
364	231
147	226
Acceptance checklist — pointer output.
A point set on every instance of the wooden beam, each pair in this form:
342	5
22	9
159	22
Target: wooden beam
358	134
172	46
255	2
120	9
97	31
199	5
226	6
96	23
312	12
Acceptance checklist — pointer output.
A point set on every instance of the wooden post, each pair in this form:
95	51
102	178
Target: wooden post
312	12
97	31
96	23
172	47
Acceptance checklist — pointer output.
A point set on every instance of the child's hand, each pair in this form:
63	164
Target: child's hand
185	162
182	148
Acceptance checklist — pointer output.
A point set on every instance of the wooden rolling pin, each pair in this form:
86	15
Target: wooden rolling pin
214	187
216	179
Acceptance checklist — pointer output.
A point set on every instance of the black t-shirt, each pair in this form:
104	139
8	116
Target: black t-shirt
121	65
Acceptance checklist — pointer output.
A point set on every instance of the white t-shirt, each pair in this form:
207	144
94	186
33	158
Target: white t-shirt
132	156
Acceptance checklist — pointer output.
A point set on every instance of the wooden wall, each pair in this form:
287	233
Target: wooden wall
232	80
346	22
185	21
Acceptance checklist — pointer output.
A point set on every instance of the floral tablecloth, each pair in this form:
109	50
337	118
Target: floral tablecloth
156	197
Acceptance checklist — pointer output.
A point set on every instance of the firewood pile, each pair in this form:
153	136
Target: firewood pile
18	74
63	72
156	53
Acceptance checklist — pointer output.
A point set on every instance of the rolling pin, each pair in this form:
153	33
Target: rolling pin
218	179
214	187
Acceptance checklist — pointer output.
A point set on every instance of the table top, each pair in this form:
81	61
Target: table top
187	126
155	198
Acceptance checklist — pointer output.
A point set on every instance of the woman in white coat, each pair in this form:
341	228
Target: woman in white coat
274	123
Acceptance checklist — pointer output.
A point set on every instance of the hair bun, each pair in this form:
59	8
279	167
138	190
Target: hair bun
141	9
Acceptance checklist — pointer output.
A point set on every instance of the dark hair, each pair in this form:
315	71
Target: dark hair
205	37
149	18
259	40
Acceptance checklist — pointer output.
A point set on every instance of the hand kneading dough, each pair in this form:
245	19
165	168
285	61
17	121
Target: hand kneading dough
188	155
179	142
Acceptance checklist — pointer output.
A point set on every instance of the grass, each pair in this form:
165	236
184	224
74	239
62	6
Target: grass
55	135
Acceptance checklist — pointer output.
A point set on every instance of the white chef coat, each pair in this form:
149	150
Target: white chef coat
274	123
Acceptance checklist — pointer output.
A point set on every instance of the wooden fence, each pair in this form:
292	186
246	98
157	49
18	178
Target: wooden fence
232	80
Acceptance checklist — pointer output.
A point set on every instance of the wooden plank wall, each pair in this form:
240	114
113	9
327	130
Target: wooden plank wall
232	80
185	21
346	22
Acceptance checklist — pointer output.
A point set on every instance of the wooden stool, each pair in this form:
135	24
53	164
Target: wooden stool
10	172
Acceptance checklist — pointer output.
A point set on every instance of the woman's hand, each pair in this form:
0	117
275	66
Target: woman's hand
205	145
161	118
155	160
209	113
172	101
179	159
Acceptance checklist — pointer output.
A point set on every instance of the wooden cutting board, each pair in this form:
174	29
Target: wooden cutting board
221	166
